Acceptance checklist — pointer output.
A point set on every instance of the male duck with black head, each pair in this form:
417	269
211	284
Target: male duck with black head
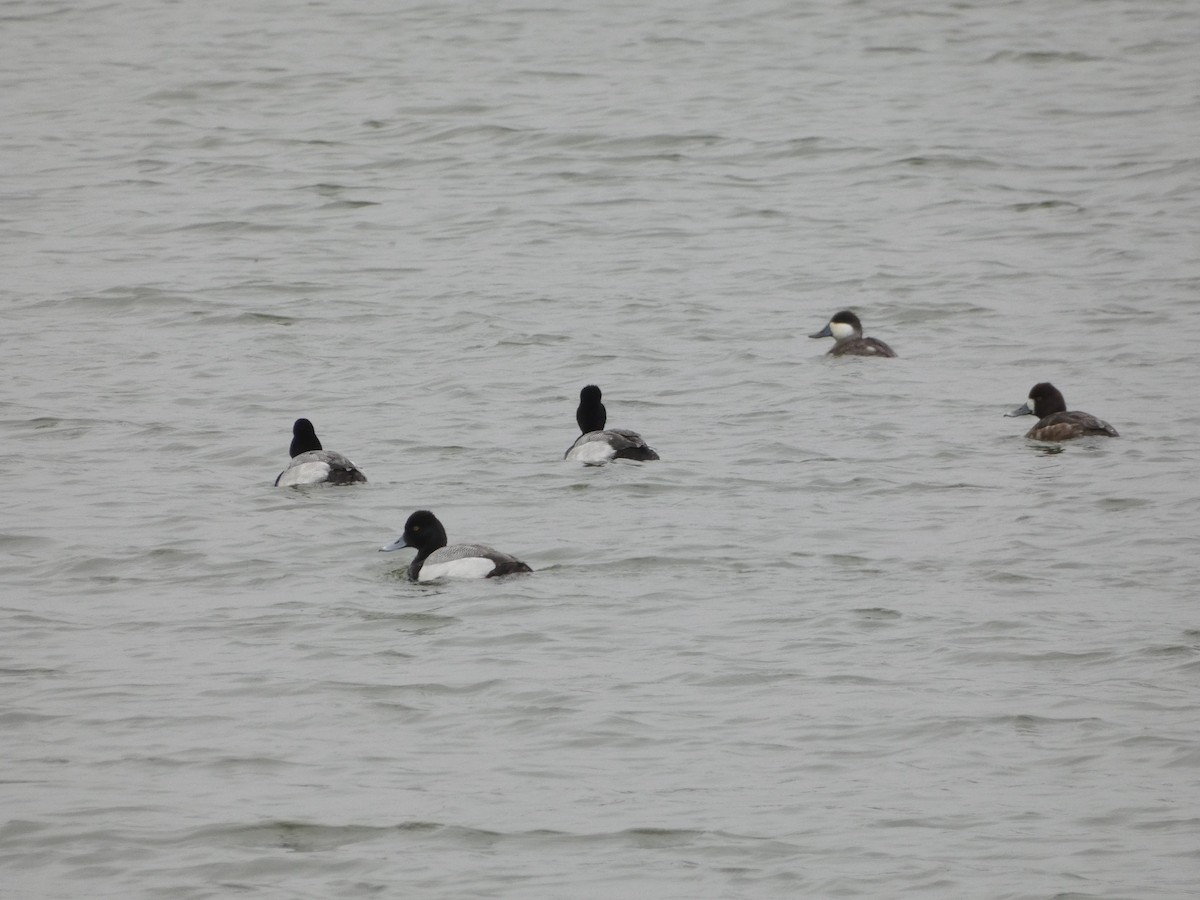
847	333
425	534
311	464
597	445
1054	422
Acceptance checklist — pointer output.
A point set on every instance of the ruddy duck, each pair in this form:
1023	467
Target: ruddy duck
847	333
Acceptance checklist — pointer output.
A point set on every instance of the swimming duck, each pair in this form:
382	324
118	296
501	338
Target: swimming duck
1054	422
425	534
313	465
847	334
595	445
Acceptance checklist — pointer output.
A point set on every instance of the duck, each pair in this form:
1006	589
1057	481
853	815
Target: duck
597	445
311	464
847	333
1054	422
435	560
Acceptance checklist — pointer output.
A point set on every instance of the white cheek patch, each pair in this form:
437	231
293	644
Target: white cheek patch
468	567
841	330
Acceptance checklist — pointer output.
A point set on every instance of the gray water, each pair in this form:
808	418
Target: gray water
852	637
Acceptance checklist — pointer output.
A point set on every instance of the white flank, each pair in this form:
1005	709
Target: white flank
305	473
591	452
467	567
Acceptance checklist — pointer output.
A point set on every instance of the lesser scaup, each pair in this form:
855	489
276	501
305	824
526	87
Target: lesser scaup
313	465
595	445
1054	422
847	334
425	534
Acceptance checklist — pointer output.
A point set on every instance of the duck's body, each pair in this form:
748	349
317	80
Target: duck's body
320	467
847	333
596	444
596	447
1055	423
311	464
435	560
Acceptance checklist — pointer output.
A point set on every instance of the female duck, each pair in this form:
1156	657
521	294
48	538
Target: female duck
425	534
1054	422
847	334
312	465
596	445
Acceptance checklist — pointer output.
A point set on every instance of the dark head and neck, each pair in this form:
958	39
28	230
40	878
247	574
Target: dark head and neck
424	532
1046	400
590	416
304	438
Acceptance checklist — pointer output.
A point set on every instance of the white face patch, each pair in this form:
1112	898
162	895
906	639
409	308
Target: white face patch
841	330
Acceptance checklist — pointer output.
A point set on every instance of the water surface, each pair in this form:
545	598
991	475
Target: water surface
852	636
